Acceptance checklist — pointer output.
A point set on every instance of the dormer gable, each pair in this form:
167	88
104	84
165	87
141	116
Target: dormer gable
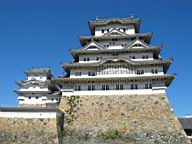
138	44
115	32
93	45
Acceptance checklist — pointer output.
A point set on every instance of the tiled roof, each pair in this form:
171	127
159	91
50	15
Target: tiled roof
29	109
145	36
186	122
39	71
168	78
123	21
115	59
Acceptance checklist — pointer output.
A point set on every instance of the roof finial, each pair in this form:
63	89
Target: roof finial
131	15
97	18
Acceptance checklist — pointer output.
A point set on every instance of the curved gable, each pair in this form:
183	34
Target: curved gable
120	60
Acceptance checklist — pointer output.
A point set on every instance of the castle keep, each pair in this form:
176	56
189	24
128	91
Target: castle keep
114	91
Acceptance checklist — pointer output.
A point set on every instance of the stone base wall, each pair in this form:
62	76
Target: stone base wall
125	119
28	131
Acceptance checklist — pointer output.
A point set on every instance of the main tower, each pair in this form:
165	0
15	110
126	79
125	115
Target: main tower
116	87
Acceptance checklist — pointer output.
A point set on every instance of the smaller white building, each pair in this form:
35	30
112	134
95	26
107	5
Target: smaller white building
38	89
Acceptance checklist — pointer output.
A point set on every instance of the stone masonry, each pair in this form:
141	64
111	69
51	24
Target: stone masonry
29	131
125	119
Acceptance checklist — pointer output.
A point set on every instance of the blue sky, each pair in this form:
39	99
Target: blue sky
39	33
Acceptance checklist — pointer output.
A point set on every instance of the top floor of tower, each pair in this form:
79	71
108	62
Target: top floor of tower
100	27
41	74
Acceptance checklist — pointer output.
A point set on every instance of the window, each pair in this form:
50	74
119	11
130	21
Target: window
124	29
29	97
137	45
91	73
102	30
140	72
91	87
145	57
37	97
114	39
154	71
107	30
84	59
115	54
148	86
97	58
134	86
133	57
77	88
121	87
77	73
88	59
117	87
105	87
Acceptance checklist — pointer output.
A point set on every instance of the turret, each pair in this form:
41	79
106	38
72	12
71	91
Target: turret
38	89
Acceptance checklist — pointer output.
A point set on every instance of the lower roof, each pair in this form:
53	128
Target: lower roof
167	78
146	37
186	122
29	109
76	53
35	92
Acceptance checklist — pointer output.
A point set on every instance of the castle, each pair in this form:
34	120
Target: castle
114	90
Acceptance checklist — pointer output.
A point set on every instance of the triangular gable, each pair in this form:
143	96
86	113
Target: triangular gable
115	32
93	46
138	44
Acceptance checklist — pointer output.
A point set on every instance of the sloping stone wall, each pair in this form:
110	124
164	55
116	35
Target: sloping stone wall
28	131
125	119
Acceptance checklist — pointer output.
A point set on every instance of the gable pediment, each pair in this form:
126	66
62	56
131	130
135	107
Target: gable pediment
93	46
115	32
138	44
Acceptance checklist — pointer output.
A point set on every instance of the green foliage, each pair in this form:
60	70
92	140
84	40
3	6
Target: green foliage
72	102
111	135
